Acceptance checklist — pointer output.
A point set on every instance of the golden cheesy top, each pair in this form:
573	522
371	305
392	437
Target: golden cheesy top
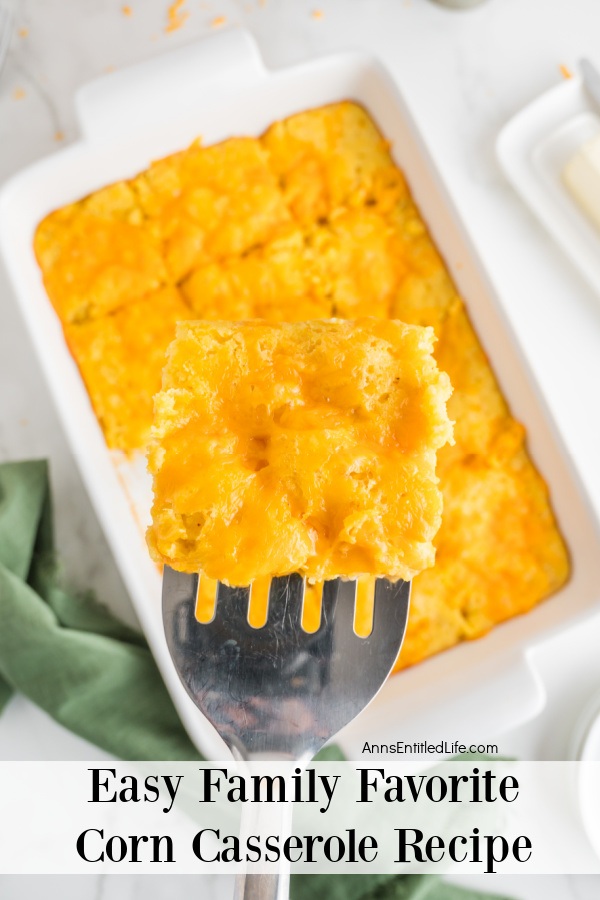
311	220
303	447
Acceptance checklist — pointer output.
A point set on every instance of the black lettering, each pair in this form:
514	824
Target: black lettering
253	846
156	842
490	855
517	848
116	848
328	848
455	781
365	784
488	777
81	848
130	791
404	844
311	840
197	843
231	854
152	791
292	843
172	789
414	791
509	783
434	843
459	839
366	845
267	784
135	842
97	784
443	788
272	847
209	785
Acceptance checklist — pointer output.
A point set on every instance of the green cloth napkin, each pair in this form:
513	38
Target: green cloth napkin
96	676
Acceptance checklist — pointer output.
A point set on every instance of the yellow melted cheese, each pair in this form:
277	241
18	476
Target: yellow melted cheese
311	220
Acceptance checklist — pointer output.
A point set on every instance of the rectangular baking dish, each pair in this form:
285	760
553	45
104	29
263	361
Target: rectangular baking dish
219	88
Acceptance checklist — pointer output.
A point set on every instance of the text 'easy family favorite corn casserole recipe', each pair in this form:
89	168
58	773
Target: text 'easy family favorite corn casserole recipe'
313	220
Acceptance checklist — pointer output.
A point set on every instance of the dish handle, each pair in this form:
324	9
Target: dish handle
510	693
121	103
507	699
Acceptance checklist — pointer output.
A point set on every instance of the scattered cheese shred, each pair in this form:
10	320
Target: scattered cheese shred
218	21
176	16
317	14
565	71
126	10
18	93
23	32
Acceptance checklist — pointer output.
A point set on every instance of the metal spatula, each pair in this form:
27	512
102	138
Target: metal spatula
278	692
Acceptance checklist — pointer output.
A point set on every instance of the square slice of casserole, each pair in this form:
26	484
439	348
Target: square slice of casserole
303	447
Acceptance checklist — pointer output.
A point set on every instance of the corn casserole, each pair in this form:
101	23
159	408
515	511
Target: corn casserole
311	220
304	447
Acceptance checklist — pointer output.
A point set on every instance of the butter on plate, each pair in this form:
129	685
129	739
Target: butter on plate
581	176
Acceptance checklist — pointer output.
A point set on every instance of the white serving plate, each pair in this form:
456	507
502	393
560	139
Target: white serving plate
533	149
217	88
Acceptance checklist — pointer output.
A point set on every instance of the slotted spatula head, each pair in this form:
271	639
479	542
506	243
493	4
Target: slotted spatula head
278	691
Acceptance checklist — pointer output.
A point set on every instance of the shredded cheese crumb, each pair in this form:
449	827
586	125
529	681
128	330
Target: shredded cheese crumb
317	14
23	32
218	21
176	16
565	71
126	10
18	93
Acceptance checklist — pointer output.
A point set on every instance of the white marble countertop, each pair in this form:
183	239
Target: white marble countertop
463	75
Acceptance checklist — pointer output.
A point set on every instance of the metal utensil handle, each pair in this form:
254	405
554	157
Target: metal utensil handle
262	887
262	819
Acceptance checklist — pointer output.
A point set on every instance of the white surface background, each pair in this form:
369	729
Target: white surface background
463	75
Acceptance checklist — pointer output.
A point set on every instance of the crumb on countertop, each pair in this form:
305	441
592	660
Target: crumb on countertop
59	135
23	32
127	10
565	71
218	21
18	93
317	14
176	16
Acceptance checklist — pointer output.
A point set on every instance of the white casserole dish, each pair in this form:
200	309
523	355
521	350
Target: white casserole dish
219	87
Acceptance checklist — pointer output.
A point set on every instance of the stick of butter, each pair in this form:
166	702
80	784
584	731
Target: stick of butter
581	175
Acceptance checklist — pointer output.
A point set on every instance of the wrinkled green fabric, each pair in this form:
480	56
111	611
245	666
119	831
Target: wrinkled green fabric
65	652
96	676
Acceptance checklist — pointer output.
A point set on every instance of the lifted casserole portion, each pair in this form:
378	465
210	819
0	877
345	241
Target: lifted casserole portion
307	447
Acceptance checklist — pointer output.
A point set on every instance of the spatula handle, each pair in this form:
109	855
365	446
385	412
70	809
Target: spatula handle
262	887
262	819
